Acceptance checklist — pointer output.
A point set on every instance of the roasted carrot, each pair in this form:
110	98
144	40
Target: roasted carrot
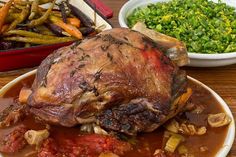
4	28
72	30
74	21
86	21
4	11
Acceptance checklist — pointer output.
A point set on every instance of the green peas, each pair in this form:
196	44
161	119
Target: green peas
204	26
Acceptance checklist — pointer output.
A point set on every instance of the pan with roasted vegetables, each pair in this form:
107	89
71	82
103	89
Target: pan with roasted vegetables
28	23
27	45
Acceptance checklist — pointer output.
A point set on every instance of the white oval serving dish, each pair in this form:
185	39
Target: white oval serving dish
196	59
229	139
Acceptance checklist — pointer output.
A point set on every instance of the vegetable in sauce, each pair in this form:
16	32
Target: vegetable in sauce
145	145
218	120
34	137
204	26
173	142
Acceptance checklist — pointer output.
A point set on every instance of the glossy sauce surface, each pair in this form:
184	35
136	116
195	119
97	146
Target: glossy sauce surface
146	143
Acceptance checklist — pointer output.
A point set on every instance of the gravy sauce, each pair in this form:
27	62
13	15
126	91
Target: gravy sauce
146	143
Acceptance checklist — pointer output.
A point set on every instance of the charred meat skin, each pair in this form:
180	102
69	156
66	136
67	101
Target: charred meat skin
109	72
12	114
136	116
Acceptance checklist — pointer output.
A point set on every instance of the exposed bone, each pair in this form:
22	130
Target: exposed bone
98	130
87	128
175	49
189	129
24	94
201	131
93	128
218	120
186	129
34	137
173	126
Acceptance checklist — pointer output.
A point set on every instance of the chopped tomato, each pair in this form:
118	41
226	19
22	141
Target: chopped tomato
89	145
14	141
49	148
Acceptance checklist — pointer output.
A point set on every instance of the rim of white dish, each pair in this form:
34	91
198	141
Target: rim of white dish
229	139
136	3
5	88
212	56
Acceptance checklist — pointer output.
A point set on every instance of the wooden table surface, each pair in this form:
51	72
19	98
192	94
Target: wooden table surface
220	79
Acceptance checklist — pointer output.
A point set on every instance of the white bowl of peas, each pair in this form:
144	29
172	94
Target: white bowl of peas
207	27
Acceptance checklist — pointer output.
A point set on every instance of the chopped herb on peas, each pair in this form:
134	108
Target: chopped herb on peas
204	26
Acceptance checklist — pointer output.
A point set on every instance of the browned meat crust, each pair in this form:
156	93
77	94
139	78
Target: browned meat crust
109	72
12	114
